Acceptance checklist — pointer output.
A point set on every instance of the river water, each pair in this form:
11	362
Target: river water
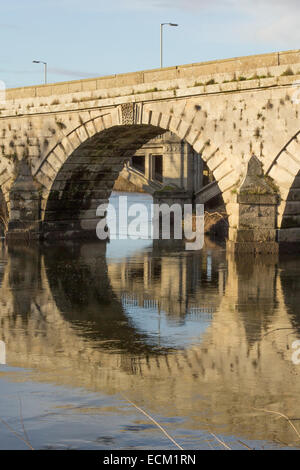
203	342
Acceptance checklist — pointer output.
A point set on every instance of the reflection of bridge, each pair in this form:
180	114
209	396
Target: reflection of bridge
175	285
67	324
137	301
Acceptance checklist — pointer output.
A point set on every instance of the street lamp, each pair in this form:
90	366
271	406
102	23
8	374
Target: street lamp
161	40
45	67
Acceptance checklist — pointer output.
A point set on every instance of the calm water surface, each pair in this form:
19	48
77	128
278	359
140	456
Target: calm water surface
200	340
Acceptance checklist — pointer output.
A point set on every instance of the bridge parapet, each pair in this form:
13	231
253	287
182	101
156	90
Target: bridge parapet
225	69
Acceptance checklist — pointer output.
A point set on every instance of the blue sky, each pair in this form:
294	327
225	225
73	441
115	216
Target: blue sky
87	38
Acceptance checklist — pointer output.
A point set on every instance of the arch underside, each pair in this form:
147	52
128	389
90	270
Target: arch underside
285	172
290	225
87	177
3	214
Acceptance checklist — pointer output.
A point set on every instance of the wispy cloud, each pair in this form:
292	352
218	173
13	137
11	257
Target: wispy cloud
5	71
264	21
54	71
239	4
73	73
273	21
8	26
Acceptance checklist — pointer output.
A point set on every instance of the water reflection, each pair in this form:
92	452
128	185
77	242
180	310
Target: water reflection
169	295
192	335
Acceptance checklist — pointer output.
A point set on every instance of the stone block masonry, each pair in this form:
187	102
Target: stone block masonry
74	138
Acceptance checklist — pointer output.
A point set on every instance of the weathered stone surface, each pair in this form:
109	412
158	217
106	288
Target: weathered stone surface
226	110
257	202
24	204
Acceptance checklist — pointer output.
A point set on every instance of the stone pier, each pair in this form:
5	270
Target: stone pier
255	213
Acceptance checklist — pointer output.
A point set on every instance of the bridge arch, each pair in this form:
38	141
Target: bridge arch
3	214
285	171
80	170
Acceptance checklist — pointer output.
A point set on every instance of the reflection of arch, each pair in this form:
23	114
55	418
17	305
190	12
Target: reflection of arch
174	284
81	169
81	288
291	286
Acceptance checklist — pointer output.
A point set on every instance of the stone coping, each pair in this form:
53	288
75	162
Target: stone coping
81	102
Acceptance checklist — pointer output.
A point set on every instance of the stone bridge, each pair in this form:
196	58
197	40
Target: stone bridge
64	144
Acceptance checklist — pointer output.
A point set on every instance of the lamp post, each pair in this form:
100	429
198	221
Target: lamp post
45	68
161	40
